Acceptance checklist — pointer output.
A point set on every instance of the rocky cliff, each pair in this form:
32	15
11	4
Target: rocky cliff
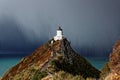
111	71
50	59
115	59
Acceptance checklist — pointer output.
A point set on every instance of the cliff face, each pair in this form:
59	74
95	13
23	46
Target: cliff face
49	59
111	71
115	59
114	62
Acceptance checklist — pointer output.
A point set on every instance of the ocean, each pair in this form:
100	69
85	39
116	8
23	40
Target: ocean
8	62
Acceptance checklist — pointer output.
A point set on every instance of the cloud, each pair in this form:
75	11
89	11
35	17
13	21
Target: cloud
91	26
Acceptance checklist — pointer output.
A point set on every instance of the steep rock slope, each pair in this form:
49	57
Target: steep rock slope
115	59
49	59
111	71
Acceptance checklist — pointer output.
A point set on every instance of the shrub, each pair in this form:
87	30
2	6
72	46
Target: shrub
39	75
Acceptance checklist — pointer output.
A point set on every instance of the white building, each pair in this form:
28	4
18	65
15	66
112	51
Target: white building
59	35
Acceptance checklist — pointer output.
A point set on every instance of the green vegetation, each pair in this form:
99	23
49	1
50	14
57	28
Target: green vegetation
39	75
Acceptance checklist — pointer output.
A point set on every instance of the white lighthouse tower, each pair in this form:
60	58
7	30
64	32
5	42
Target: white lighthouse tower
59	35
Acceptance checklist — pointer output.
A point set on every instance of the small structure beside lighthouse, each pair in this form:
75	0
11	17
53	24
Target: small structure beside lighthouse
59	35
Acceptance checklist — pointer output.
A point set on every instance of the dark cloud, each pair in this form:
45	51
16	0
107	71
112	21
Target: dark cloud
91	26
12	38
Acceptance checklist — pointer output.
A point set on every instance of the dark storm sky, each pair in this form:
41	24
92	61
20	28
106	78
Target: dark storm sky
92	26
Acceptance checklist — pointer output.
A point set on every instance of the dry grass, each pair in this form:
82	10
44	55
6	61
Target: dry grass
112	77
61	75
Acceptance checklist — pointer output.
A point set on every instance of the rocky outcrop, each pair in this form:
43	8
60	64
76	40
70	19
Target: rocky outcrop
115	59
50	58
111	71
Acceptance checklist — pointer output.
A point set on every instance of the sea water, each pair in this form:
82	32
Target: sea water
97	62
6	63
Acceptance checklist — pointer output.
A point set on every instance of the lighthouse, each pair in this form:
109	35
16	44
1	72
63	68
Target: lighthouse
59	34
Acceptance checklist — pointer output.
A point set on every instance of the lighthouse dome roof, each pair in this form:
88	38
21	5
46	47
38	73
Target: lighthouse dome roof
59	28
